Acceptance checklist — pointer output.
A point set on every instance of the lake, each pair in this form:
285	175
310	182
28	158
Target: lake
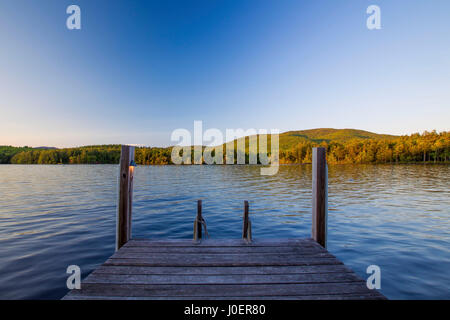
393	216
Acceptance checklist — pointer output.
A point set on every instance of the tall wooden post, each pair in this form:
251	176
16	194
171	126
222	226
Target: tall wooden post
319	196
125	201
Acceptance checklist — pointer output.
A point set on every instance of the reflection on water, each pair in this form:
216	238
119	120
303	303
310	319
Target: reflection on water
396	217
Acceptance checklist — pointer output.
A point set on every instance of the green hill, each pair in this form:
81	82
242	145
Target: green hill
359	146
291	139
328	135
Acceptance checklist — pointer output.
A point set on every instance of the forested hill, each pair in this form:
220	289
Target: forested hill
343	146
290	139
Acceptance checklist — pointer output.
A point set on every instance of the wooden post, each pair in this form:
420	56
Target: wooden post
198	222
319	196
125	202
246	229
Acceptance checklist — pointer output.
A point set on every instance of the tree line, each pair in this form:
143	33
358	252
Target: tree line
426	147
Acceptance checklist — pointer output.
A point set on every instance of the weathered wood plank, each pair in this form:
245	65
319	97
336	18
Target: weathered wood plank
130	270
222	250
225	290
285	256
223	260
221	243
125	254
221	279
356	296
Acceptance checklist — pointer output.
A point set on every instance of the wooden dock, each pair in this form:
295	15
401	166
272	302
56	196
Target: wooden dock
223	269
232	269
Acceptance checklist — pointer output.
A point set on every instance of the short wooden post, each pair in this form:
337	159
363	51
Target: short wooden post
198	222
125	201
319	196
246	229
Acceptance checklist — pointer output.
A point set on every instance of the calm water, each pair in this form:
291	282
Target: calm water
396	217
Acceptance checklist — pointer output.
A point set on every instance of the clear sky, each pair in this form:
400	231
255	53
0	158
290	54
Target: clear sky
137	70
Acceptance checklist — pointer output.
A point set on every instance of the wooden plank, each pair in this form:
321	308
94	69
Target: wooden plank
125	199
146	250
225	290
222	243
221	279
221	256
136	270
319	192
355	296
198	261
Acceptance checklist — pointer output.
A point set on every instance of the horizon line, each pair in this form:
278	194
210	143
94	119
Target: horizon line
168	146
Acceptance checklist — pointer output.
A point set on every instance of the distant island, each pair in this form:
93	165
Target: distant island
343	146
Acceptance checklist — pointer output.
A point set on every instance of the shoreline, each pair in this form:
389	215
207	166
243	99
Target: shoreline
246	164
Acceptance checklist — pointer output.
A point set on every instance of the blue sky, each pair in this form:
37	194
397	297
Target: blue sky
137	70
